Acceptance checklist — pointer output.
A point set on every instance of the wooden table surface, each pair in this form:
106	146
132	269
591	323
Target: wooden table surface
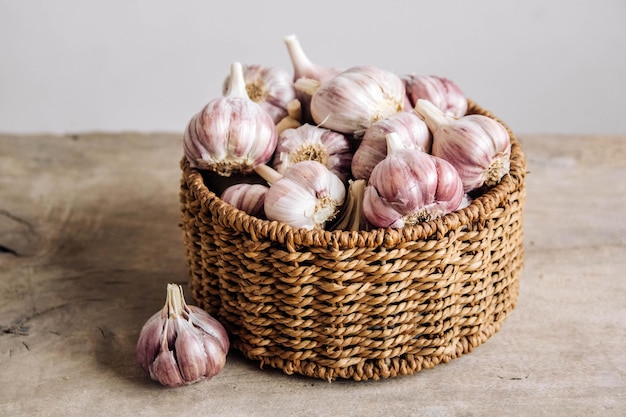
89	238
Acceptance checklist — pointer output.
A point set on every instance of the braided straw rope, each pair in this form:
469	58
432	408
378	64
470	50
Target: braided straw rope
357	305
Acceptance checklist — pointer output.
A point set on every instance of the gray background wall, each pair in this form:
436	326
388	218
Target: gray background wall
148	65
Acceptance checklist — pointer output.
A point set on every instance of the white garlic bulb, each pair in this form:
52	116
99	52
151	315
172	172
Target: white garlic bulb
231	133
270	87
181	344
309	142
356	98
442	92
478	146
247	197
410	186
412	132
307	195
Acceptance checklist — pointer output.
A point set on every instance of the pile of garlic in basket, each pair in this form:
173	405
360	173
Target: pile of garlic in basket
353	149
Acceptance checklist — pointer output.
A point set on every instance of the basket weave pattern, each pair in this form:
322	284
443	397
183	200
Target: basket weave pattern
357	305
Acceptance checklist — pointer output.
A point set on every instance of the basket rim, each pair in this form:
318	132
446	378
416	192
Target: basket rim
294	237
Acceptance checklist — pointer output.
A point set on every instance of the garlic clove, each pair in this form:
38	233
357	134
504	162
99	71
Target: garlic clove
351	214
353	100
149	342
190	352
231	133
164	369
411	129
442	92
270	87
477	146
308	142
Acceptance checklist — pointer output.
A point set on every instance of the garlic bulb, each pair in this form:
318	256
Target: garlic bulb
231	133
410	186
442	92
356	98
411	130
478	146
247	197
181	344
307	194
270	87
309	142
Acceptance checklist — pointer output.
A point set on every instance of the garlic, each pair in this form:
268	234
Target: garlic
247	197
270	87
293	118
231	133
351	214
309	142
307	194
478	146
356	98
412	131
442	92
181	344
410	186
307	75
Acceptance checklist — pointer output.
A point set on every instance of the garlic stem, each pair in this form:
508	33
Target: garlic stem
268	173
302	65
307	86
237	83
431	114
394	143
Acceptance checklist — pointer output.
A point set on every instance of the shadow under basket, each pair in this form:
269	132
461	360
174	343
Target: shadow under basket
357	305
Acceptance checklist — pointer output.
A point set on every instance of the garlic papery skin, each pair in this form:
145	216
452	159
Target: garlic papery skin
309	142
356	98
247	197
478	146
303	67
270	87
231	133
181	344
442	92
307	195
412	132
410	186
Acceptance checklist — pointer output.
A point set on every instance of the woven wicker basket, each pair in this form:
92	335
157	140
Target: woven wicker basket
357	305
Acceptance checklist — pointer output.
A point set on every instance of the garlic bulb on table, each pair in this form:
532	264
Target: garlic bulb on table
181	344
309	142
410	186
247	197
353	100
442	92
306	195
478	146
412	132
231	133
270	87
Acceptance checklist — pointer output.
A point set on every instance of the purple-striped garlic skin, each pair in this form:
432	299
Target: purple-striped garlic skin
231	133
270	87
444	93
353	100
411	129
478	146
307	195
247	197
410	186
308	142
